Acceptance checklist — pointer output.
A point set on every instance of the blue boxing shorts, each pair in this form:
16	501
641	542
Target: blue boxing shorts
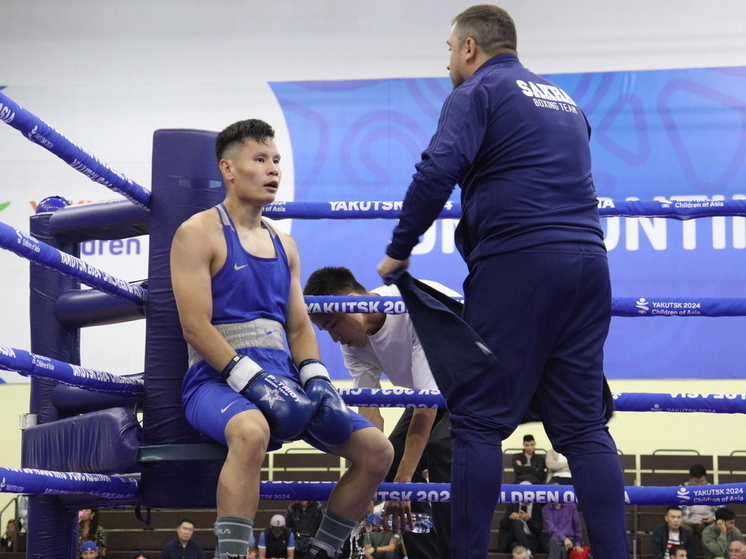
209	403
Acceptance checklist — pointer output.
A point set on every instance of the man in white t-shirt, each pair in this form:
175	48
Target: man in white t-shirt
380	344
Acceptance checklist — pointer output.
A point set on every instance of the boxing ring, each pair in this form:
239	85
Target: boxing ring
87	447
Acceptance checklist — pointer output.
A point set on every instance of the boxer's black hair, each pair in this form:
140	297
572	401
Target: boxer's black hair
253	129
333	280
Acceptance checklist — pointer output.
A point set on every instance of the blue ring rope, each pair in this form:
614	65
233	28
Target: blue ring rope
41	133
33	365
32	249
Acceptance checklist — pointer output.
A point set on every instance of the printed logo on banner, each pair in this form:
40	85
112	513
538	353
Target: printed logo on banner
683	493
642	304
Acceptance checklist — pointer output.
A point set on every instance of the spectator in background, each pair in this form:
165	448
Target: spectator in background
141	556
381	543
304	519
522	526
89	550
679	552
718	536
562	525
277	541
670	534
183	547
737	550
89	530
698	517
9	538
529	466
520	552
253	553
558	471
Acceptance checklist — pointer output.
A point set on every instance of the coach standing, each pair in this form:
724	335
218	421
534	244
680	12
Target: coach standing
538	289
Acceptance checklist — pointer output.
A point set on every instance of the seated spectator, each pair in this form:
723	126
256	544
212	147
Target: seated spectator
89	550
277	541
253	553
679	552
737	550
698	517
558	471
529	466
522	526
381	543
89	530
718	536
304	519
183	547
520	552
9	538
562	525
669	534
141	556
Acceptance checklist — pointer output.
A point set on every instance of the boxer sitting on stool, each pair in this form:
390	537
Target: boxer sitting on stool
236	281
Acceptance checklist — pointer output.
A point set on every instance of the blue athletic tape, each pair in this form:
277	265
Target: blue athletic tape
26	246
676	209
43	482
620	306
31	364
39	132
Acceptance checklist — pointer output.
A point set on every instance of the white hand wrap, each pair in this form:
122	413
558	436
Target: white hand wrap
310	368
240	372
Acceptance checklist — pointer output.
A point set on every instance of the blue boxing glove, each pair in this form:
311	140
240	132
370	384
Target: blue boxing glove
331	424
284	405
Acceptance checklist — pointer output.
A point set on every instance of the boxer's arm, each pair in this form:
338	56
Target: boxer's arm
300	333
192	252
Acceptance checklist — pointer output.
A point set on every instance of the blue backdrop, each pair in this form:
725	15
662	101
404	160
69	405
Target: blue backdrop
669	134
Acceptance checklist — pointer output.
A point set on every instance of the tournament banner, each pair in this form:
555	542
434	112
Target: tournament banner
678	136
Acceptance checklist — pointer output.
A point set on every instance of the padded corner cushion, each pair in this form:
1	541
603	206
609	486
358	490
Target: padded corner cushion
102	442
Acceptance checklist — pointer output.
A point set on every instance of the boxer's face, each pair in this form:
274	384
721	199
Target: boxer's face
346	329
252	170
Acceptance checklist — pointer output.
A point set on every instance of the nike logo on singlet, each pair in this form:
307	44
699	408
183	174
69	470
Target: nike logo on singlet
222	410
237	267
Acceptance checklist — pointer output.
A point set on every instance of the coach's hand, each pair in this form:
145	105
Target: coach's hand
388	267
332	422
284	405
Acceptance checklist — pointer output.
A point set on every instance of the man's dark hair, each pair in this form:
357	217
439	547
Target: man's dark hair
528	438
675	548
491	27
673	507
185	520
253	129
333	280
698	470
725	514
